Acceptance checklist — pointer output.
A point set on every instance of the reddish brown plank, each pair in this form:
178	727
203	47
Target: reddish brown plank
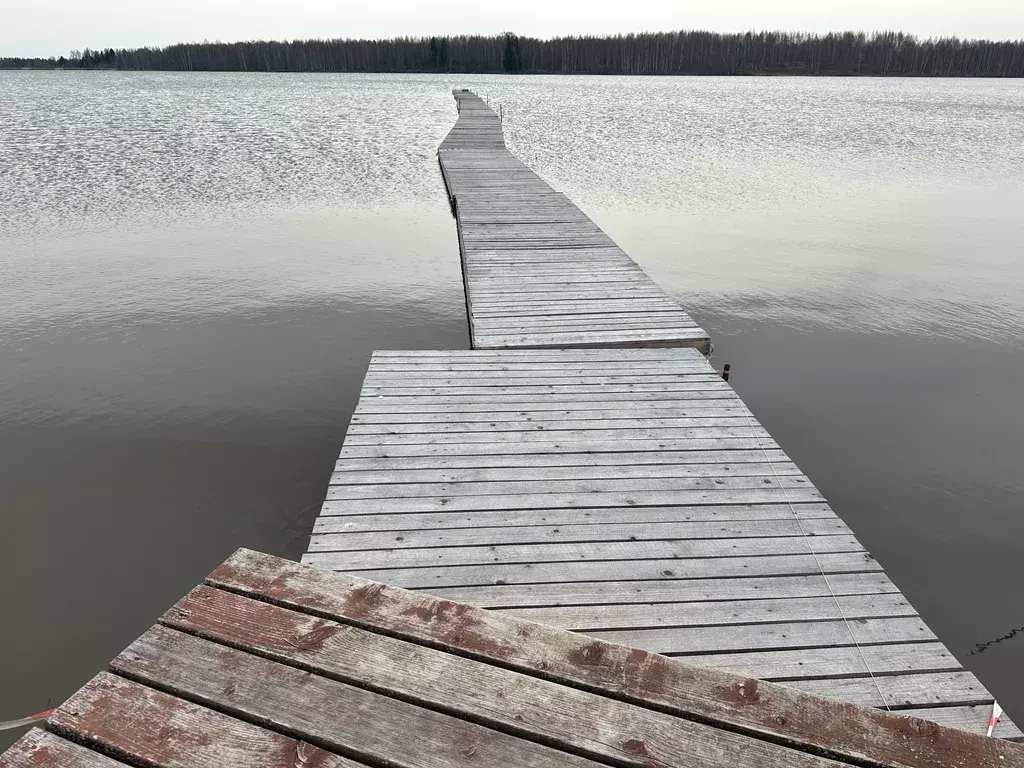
361	724
596	726
145	725
753	706
39	749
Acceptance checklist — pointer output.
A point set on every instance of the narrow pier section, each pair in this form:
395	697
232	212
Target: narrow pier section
270	664
538	273
631	495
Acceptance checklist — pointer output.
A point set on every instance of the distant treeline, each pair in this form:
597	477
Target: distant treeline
663	53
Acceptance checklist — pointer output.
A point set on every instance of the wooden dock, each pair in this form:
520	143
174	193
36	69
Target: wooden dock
271	664
610	562
631	495
538	272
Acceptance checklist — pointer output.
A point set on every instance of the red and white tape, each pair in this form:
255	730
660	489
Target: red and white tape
12	724
993	720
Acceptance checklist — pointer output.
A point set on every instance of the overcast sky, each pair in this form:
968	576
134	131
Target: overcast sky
53	27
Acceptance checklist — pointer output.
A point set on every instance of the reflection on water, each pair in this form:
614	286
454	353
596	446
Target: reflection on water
194	269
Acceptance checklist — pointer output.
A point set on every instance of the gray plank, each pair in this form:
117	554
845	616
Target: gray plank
901	691
641	484
577	552
747	637
669	591
374	728
597	618
604	471
659	462
331	536
562	447
500	574
832	661
538	501
654	436
586	723
523	518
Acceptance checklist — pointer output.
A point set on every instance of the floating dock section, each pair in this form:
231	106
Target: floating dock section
538	272
624	493
631	495
270	664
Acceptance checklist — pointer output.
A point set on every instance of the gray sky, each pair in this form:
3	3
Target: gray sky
53	27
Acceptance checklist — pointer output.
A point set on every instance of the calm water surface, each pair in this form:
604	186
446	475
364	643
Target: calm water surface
195	268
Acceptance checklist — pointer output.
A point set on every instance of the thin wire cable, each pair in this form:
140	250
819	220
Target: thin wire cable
817	561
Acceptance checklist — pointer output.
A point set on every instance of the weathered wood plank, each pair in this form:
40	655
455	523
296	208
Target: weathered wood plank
688	383
325	539
586	486
399	404
595	726
500	574
669	591
764	708
657	437
571	473
577	552
747	637
488	467
498	426
597	618
560	355
498	380
562	447
701	497
154	728
703	409
374	728
831	661
523	518
39	749
902	691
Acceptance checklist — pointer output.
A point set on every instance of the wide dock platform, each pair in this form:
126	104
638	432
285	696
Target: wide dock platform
538	272
272	664
631	495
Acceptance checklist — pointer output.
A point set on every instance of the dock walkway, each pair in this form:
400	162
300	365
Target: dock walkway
631	495
538	272
270	663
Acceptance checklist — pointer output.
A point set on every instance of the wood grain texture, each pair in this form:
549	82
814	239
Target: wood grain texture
525	518
668	591
39	749
592	725
343	718
644	679
143	725
568	572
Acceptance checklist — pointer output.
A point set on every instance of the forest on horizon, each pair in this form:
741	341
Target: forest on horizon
652	53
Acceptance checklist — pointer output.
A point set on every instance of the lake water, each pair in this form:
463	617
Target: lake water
194	269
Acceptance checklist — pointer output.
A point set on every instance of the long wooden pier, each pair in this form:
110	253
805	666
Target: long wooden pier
631	495
538	272
625	494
